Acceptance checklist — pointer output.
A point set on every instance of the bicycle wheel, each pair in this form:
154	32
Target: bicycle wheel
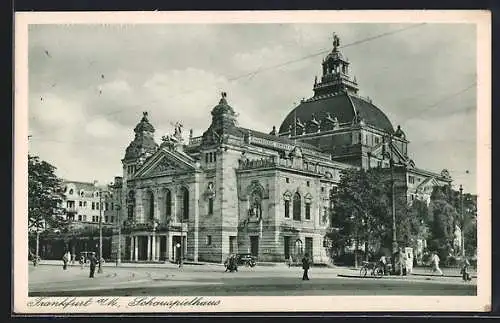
363	272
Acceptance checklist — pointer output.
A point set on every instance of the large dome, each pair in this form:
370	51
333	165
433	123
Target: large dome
342	106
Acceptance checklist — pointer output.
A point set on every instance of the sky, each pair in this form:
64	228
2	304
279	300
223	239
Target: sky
89	84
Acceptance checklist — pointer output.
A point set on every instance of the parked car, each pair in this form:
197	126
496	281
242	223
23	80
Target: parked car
246	259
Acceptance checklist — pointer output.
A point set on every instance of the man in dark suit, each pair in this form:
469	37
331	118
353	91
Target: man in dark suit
93	262
305	266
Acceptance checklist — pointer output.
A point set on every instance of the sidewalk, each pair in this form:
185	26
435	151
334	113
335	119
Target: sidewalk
418	272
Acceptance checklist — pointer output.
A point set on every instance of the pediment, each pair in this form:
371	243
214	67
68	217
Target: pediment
164	163
427	185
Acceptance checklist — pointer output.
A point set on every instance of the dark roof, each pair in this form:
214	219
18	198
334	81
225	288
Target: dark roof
140	143
144	125
341	106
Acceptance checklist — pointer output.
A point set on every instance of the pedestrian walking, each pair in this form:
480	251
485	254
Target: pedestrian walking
435	263
93	262
305	266
66	259
290	261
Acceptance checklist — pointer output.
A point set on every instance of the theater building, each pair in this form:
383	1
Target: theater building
235	189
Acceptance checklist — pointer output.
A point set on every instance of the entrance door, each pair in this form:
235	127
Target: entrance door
163	248
254	246
287	247
143	247
176	251
309	246
128	247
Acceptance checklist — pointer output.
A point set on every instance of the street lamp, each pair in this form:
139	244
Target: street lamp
118	219
393	205
462	229
99	270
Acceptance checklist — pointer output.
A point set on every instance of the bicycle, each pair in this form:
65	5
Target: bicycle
376	269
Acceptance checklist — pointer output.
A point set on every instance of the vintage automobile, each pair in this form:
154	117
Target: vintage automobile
246	259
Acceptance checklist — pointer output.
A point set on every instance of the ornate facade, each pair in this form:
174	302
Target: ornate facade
239	190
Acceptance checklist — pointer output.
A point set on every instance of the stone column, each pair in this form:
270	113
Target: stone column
136	248
132	247
156	205
196	214
158	248
170	253
153	247
149	248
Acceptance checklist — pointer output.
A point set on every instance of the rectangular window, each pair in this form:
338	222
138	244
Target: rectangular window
84	218
107	206
112	206
209	240
322	189
80	203
80	217
97	206
411	179
287	180
210	206
93	205
308	211
376	140
112	219
210	157
308	183
106	219
287	209
84	203
215	157
206	158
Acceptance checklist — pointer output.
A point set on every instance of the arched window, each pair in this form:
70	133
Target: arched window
168	204
308	200
296	206
287	197
308	210
185	203
299	248
151	208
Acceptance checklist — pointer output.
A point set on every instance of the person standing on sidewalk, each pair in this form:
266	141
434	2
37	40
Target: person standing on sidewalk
305	266
93	262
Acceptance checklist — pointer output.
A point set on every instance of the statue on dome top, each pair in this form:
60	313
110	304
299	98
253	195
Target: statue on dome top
336	41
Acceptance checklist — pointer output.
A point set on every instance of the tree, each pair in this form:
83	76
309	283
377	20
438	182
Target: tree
443	220
44	197
359	208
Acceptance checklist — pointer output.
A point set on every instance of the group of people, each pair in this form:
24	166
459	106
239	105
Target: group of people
231	263
434	264
68	258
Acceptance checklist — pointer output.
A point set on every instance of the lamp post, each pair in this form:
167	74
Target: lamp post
37	248
99	270
181	260
119	251
462	229
393	207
